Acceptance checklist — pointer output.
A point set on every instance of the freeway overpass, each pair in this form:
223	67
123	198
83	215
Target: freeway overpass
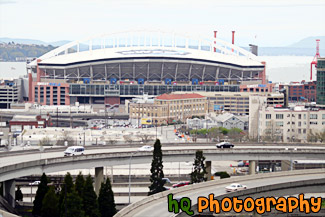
260	185
36	163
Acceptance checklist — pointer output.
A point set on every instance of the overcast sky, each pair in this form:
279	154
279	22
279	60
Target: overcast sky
264	22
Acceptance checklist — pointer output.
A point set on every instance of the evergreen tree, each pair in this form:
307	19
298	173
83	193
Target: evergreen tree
80	182
18	194
74	205
68	181
198	175
66	188
50	205
107	207
40	193
157	173
90	203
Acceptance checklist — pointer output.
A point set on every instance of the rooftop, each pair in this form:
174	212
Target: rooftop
179	96
233	94
26	118
226	116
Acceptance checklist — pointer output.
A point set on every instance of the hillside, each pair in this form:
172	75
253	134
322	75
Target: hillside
19	52
310	42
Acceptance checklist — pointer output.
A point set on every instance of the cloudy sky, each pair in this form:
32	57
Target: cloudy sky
264	22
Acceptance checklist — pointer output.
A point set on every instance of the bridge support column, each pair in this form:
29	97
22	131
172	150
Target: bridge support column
9	188
252	167
285	165
208	169
99	178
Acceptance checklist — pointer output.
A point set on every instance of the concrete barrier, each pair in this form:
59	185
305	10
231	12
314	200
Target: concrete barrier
199	186
122	158
275	190
7	214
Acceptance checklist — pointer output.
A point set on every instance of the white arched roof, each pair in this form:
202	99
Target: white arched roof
153	43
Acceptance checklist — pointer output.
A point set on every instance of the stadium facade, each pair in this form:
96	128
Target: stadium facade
111	68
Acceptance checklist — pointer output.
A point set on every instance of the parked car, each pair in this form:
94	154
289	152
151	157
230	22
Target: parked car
167	180
243	164
146	148
235	187
225	145
35	183
181	184
74	150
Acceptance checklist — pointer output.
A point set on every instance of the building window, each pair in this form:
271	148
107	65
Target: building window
313	123
299	130
299	124
279	123
279	116
304	116
268	123
304	131
299	116
313	116
268	116
323	116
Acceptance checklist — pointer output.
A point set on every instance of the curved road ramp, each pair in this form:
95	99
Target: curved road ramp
261	185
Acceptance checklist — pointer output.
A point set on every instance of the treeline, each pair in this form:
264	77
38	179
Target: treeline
11	51
217	130
73	199
220	133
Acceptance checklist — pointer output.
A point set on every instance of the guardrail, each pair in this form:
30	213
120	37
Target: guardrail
149	199
120	158
130	145
274	190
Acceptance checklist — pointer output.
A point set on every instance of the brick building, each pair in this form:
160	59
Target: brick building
301	91
21	122
167	108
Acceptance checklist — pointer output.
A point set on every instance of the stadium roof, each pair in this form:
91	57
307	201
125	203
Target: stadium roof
136	47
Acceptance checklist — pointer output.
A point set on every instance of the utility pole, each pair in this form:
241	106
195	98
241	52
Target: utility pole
156	129
71	123
106	123
207	128
84	138
57	116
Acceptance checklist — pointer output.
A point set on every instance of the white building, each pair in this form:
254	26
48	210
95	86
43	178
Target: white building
290	124
226	120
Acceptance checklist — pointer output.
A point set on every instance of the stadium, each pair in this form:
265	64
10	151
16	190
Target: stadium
110	68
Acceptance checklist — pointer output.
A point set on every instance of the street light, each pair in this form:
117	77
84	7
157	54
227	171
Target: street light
130	176
130	172
156	121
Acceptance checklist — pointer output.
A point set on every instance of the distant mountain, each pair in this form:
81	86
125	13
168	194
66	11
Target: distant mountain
32	41
310	42
288	51
23	41
59	43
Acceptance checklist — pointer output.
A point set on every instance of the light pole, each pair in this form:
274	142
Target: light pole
130	176
156	129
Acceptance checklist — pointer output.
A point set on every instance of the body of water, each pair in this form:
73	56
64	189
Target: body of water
10	70
278	68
